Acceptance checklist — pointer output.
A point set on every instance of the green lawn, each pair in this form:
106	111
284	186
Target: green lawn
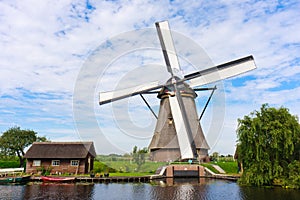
126	167
210	167
130	174
229	167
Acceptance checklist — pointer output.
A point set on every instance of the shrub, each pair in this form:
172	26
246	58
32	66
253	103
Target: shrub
9	164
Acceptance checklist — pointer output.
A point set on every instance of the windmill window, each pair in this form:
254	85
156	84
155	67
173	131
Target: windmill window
55	162
170	120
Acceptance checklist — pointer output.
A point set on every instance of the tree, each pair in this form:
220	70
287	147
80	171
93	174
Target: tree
14	141
139	156
268	142
215	156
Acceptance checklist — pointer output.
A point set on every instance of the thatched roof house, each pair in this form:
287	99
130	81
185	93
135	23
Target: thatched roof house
60	157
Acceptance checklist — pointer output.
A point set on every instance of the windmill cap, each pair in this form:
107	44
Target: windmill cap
168	89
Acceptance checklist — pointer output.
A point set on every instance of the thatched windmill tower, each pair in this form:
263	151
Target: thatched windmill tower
164	145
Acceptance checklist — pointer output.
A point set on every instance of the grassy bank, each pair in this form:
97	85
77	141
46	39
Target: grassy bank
127	167
130	174
229	167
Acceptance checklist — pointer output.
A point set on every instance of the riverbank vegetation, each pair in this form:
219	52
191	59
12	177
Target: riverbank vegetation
230	167
14	141
9	162
269	148
125	165
131	164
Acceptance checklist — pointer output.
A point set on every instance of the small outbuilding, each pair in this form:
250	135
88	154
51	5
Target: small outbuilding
60	157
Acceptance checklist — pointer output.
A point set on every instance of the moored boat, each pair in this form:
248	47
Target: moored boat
57	179
15	180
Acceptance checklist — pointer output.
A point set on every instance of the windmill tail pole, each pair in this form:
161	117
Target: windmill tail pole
148	106
213	90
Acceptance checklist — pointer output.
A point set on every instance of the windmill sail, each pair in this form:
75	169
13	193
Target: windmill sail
166	42
182	135
106	97
221	72
183	128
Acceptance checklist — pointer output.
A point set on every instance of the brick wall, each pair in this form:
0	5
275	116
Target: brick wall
199	170
64	166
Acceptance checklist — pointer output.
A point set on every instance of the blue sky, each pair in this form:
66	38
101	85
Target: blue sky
47	46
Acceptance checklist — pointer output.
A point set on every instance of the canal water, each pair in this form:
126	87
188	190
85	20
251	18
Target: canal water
206	189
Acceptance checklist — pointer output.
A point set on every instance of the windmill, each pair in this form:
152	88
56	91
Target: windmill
178	133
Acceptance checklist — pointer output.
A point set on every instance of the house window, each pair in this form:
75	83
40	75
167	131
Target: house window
55	162
36	163
74	162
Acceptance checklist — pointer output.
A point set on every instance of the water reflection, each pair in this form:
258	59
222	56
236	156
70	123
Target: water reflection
269	193
206	189
198	188
58	191
11	192
180	181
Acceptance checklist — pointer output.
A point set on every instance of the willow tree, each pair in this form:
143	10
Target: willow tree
268	142
14	141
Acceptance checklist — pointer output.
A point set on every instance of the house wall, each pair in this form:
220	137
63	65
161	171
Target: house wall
64	167
89	163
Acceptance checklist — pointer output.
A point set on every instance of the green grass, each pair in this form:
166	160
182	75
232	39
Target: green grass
102	167
228	167
126	167
210	167
130	174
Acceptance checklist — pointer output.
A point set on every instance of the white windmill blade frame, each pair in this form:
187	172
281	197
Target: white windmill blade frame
167	45
221	72
182	135
107	97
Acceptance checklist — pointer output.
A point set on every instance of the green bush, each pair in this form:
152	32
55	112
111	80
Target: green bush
294	177
101	167
9	164
44	171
